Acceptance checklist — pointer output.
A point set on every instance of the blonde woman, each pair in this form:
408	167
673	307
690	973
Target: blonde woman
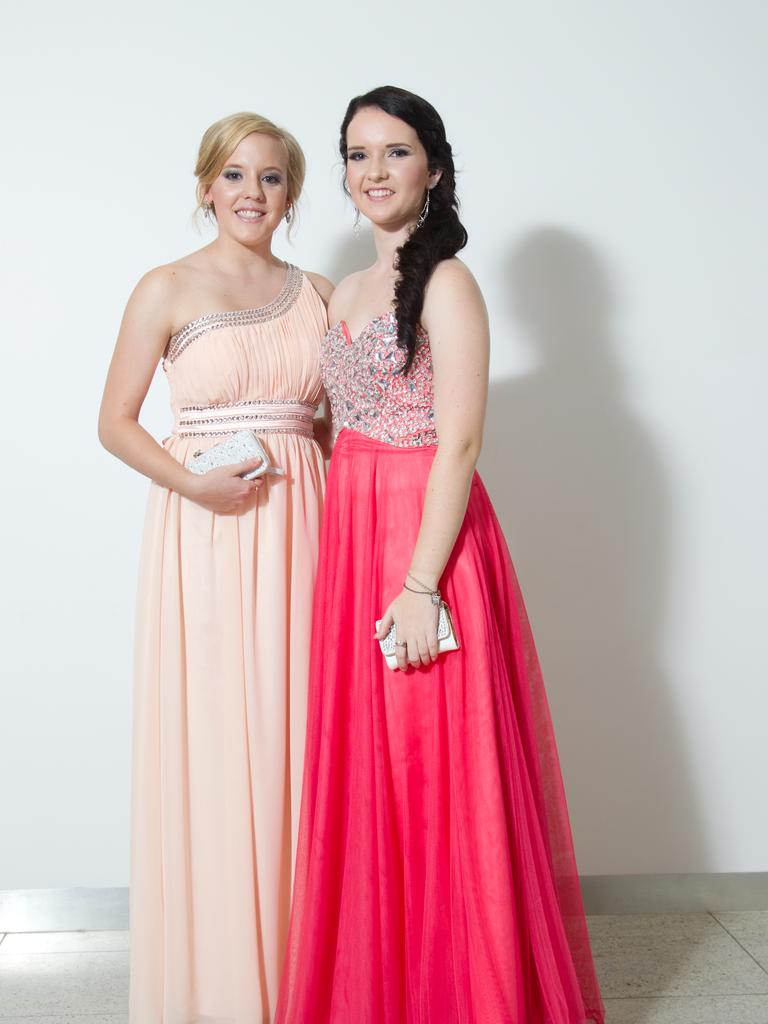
226	579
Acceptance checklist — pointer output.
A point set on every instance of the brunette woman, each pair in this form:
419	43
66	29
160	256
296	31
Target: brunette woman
435	881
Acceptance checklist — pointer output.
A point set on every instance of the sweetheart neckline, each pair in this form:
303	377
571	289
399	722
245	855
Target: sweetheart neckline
352	338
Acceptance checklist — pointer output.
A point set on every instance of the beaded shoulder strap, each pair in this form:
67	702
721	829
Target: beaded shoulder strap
238	317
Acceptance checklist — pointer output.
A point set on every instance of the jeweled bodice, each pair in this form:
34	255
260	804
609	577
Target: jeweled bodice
368	391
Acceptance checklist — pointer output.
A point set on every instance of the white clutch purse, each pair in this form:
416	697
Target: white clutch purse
446	637
239	447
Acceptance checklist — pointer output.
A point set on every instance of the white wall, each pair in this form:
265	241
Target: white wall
613	163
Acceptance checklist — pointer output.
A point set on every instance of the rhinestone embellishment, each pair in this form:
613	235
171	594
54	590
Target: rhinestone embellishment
236	318
368	393
262	415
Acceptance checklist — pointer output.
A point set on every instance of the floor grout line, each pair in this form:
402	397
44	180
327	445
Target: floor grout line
76	1014
727	932
690	995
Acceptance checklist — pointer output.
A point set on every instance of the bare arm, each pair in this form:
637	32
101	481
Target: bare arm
322	423
322	286
456	320
144	333
323	428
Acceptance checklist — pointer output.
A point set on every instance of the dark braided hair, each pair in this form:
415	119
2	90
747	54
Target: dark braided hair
442	234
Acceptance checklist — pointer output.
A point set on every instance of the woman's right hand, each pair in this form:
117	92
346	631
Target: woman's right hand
223	490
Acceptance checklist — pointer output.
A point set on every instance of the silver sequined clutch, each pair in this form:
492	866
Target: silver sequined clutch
239	447
446	637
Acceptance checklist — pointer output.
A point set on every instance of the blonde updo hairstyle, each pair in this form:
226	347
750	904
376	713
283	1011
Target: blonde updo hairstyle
222	139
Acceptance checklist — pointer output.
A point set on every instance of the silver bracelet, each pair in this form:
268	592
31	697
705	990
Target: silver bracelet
427	591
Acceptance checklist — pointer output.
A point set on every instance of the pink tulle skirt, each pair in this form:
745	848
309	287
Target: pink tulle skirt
435	878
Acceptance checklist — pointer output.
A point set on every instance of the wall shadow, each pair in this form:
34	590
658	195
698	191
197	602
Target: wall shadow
581	492
351	253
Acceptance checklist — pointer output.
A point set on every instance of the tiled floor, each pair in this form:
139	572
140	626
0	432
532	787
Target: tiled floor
653	968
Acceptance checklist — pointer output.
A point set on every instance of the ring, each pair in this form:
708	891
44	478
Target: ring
401	643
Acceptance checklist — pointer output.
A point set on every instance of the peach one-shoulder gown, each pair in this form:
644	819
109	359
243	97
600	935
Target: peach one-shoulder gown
222	651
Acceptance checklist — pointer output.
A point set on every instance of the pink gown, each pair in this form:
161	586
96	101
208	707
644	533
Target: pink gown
222	652
435	879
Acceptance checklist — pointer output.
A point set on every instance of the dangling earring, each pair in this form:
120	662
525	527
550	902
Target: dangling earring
356	229
208	212
288	215
424	212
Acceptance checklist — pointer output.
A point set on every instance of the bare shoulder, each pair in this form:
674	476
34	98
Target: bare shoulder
322	285
344	294
148	316
169	280
453	296
164	292
449	278
157	289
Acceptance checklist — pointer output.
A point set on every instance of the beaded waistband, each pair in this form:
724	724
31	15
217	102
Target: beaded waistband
262	415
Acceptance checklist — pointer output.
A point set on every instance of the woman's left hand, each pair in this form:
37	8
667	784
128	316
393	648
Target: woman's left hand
415	618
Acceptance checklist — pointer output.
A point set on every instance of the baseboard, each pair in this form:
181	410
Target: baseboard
52	910
675	894
63	910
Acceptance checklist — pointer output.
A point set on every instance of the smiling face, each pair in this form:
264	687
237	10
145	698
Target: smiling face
387	168
250	194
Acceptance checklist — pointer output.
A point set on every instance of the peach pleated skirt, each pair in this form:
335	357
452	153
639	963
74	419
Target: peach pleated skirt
222	649
220	718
